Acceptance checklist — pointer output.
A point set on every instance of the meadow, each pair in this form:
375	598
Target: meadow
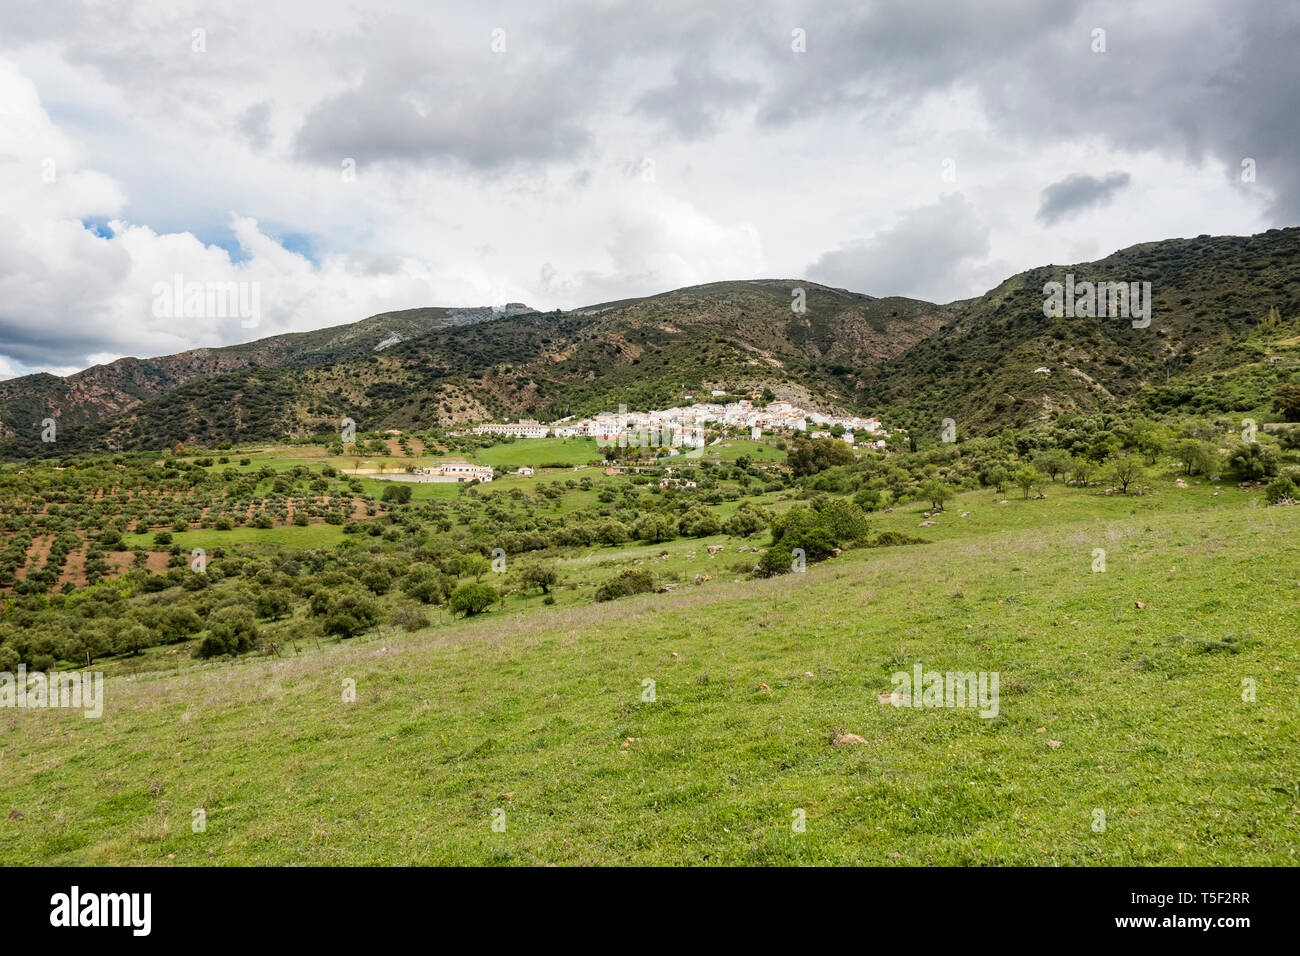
1124	733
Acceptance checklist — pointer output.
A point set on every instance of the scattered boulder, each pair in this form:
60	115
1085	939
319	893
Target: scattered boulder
715	548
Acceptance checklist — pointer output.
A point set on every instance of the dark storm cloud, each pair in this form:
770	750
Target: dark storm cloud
1076	193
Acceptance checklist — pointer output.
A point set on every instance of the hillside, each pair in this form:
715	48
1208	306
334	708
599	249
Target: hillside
104	391
1133	710
641	352
1209	347
986	362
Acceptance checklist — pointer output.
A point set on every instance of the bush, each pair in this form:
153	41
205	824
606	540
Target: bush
1252	461
1281	490
626	582
472	598
425	585
396	494
348	611
409	617
231	630
774	561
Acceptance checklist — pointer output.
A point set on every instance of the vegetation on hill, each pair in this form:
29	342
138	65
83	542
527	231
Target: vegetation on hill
716	720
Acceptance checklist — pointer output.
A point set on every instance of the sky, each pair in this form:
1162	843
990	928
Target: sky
340	159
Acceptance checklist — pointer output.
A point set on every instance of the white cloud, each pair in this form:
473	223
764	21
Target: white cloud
483	176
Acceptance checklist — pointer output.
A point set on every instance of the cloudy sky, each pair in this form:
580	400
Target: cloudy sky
354	157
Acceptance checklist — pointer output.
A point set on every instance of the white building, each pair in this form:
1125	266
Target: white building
450	471
517	429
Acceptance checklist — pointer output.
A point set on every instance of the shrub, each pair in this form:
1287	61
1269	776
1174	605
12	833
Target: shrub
1283	489
472	598
349	611
231	630
774	561
1252	461
397	494
409	617
626	582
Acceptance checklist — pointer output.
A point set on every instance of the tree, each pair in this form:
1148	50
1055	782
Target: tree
807	457
397	494
350	611
472	598
132	640
272	603
747	520
1149	438
996	477
1125	470
425	585
470	565
1196	456
936	492
1253	461
231	630
1052	462
843	520
654	528
1286	400
1082	469
539	576
699	523
1026	478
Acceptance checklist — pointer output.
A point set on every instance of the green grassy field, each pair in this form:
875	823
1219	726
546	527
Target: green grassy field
539	451
538	718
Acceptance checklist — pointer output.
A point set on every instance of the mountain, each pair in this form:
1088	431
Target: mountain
104	391
1210	346
641	351
1213	344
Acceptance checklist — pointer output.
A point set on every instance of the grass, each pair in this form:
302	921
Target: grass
540	714
539	451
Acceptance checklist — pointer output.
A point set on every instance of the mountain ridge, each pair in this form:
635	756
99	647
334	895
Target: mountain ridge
987	361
